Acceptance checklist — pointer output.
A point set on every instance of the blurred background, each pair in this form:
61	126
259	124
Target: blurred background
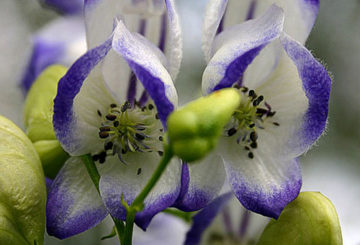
331	167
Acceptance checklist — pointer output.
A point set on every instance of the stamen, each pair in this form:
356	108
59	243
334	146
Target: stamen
99	113
110	117
138	171
231	131
251	155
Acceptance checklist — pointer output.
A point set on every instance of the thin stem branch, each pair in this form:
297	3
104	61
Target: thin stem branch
95	177
137	204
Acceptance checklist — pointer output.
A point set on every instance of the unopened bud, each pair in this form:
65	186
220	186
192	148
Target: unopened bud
194	129
310	219
38	119
22	188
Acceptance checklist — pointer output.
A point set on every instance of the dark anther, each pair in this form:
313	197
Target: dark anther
247	148
123	151
253	145
151	107
251	155
157	115
160	153
251	93
161	138
244	89
252	125
139	136
271	113
138	171
253	136
109	145
99	113
261	111
125	106
276	123
258	100
161	130
103	134
237	86
105	128
110	117
143	109
231	131
102	157
95	157
116	123
113	105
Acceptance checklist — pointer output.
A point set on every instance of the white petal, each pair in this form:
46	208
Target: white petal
129	179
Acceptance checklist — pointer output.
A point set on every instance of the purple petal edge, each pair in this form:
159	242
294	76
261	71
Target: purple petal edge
144	217
156	89
194	201
265	203
316	84
43	54
204	218
69	86
57	206
237	67
67	6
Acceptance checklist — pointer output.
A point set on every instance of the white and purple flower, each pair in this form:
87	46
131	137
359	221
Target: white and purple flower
113	103
61	41
285	93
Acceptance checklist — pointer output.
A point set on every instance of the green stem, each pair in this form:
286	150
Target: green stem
137	204
95	177
185	216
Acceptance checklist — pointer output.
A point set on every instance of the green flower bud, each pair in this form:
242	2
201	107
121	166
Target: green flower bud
38	119
22	188
310	219
194	129
52	156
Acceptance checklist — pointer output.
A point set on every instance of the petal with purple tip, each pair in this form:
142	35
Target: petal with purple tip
148	69
204	218
316	84
66	6
62	41
265	183
236	49
76	120
205	180
73	204
127	180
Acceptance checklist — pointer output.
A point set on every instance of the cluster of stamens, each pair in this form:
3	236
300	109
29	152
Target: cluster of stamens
247	118
128	128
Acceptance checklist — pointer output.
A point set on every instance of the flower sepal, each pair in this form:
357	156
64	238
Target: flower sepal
194	129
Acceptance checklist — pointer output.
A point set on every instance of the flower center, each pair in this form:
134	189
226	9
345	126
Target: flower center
251	115
129	128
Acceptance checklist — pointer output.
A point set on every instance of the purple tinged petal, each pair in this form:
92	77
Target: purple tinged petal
204	218
43	55
316	84
69	86
148	69
237	47
267	198
73	204
67	6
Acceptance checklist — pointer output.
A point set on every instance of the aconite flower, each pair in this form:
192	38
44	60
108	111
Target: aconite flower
283	110
117	115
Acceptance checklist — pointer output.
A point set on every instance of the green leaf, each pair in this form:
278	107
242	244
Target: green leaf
194	129
22	188
310	219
